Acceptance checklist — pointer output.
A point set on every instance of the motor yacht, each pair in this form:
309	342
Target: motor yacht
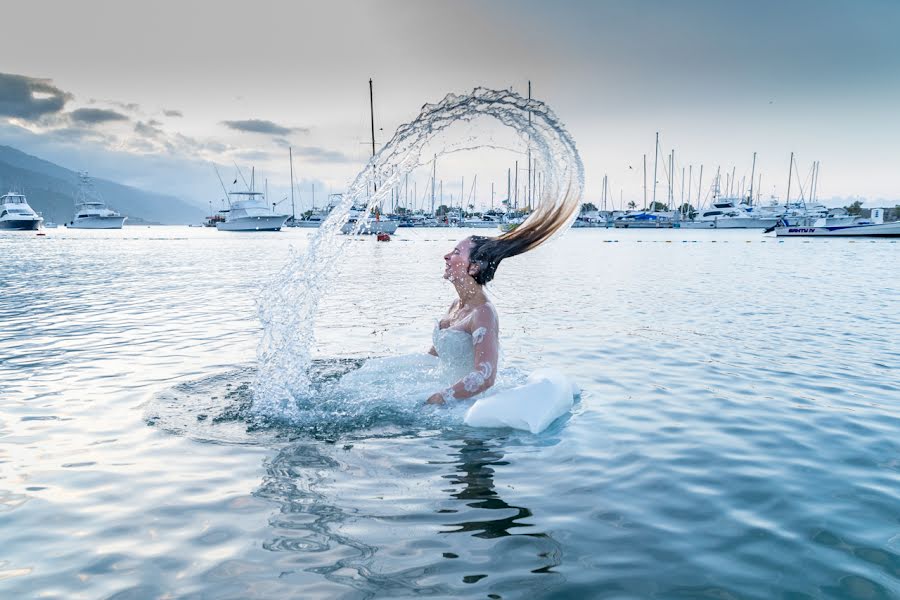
819	227
15	213
90	211
250	213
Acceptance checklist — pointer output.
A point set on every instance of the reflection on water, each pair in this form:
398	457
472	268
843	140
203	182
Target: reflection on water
475	473
320	521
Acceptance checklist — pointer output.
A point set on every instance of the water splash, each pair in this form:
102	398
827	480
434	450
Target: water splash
288	306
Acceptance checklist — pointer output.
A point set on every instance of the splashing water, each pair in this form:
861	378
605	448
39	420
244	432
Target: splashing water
287	307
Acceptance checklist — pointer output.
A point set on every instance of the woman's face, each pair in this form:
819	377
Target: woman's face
457	261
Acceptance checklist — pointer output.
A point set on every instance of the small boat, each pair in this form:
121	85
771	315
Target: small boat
875	227
370	225
91	212
485	222
643	220
213	220
15	213
314	218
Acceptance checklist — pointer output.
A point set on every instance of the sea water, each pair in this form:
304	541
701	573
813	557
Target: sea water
736	437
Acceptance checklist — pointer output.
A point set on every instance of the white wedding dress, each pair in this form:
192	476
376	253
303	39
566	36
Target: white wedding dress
529	403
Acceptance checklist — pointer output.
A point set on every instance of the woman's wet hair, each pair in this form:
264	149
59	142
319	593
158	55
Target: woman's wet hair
548	219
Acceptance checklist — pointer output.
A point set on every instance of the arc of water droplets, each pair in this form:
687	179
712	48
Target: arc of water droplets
287	307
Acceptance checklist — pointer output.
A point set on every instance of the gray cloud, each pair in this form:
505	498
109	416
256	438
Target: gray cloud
80	135
129	106
17	97
253	155
149	129
317	154
93	116
262	126
173	113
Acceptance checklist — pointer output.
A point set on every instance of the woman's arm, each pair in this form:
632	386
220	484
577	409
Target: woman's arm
485	336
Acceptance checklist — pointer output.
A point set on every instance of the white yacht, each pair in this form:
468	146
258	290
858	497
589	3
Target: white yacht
16	214
91	212
250	213
483	222
314	219
819	227
730	213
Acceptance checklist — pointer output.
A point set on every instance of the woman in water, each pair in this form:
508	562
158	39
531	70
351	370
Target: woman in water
469	267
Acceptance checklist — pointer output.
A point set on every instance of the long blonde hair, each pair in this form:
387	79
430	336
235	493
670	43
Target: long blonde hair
547	220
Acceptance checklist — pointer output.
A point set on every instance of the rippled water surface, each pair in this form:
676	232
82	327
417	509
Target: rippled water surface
738	434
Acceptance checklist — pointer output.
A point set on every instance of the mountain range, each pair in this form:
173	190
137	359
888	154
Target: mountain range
51	190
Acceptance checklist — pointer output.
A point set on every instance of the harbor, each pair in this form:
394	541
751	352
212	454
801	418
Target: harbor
491	300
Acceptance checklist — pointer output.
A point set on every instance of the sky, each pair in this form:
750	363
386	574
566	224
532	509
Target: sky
154	94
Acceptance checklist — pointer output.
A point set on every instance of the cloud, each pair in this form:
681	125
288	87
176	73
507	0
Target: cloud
173	113
77	135
317	154
149	129
93	116
262	126
128	106
30	98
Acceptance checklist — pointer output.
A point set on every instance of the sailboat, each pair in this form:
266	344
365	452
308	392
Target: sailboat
369	224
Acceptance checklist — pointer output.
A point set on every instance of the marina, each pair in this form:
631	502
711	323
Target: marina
403	300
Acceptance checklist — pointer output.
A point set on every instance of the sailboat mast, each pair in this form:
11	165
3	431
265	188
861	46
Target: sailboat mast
645	182
752	177
372	122
655	157
528	195
787	198
291	157
433	177
700	188
690	181
815	181
516	205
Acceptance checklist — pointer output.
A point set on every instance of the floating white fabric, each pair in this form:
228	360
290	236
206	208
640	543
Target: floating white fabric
533	406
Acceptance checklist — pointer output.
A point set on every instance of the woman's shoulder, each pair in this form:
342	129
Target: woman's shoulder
484	315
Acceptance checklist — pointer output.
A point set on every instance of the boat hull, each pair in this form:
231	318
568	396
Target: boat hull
20	224
371	227
879	230
97	223
643	225
479	224
730	224
267	223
